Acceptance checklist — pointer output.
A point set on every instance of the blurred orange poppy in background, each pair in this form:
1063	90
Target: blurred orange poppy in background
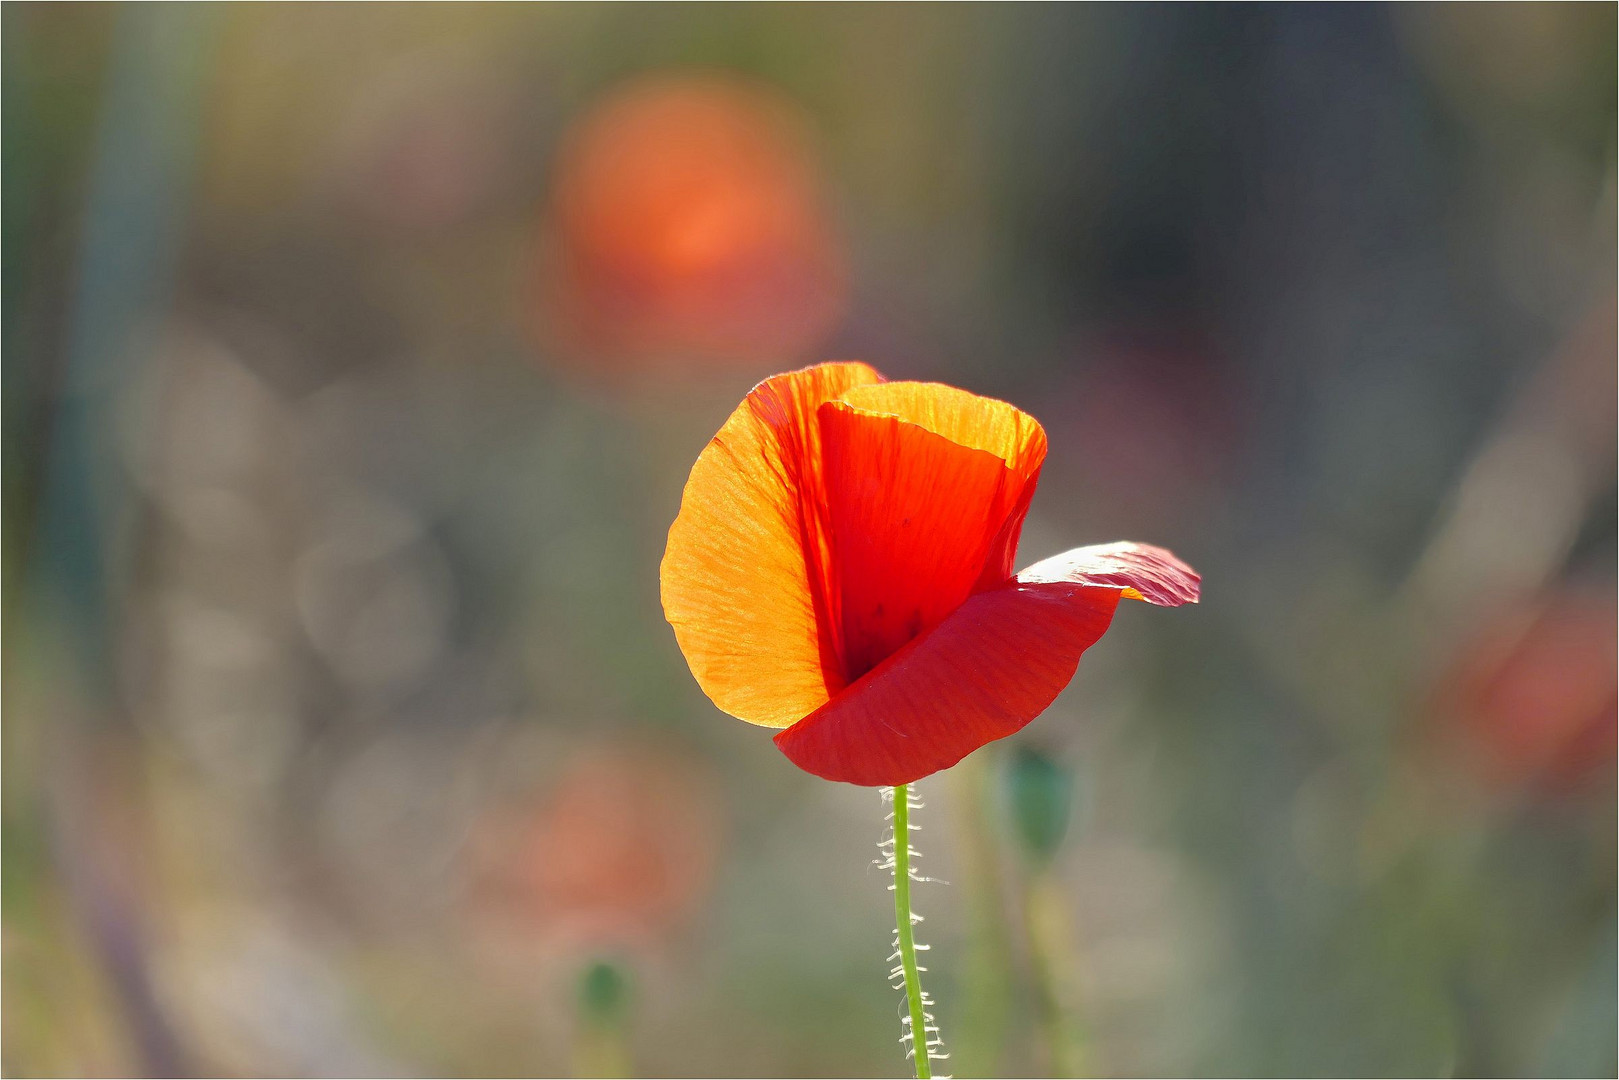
841	567
687	219
1533	693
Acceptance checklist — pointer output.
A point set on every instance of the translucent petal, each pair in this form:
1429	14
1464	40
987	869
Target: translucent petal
744	576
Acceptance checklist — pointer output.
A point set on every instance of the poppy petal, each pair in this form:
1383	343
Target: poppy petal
980	675
1142	571
912	517
981	423
744	574
963	417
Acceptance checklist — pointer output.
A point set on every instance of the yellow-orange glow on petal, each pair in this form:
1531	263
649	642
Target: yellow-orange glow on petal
962	417
745	575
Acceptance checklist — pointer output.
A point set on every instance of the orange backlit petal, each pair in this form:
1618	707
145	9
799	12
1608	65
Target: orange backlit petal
744	576
982	674
1144	572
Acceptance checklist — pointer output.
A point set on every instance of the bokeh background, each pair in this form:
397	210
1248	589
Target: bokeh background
354	357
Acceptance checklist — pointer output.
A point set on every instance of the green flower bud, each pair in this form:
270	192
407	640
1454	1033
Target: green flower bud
1041	797
604	989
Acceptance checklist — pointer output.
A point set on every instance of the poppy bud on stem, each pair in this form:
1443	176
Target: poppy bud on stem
905	946
1041	794
602	1046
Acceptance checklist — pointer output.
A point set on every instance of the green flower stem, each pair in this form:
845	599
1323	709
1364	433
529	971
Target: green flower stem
602	1051
906	932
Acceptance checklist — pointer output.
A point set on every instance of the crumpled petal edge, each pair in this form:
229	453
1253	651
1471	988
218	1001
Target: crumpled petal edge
1144	572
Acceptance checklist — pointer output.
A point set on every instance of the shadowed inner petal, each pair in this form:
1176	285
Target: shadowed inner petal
980	423
912	518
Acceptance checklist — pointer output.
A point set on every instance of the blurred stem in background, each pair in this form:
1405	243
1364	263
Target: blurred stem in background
130	232
1051	954
1040	797
602	1047
987	981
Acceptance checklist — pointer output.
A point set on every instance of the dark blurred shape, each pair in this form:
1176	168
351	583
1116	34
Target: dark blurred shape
1041	793
1533	694
687	227
423	146
1154	420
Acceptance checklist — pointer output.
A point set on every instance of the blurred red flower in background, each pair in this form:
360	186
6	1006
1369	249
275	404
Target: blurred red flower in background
687	222
617	853
1534	695
841	567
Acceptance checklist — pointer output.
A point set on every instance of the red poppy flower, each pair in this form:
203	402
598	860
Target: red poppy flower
841	567
688	221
